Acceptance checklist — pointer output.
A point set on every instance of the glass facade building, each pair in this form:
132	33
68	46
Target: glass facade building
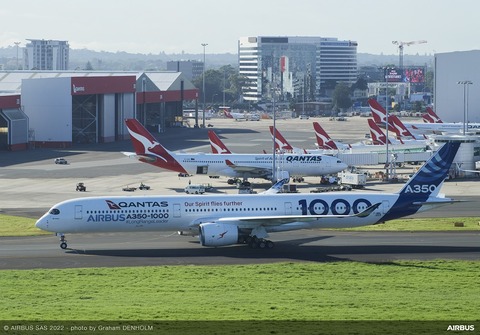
299	68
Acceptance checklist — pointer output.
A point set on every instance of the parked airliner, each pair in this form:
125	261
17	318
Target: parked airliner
221	220
420	128
149	150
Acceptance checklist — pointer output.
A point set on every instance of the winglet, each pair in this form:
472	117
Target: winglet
277	187
368	211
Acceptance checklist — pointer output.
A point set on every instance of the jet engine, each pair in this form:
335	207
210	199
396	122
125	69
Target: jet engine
213	234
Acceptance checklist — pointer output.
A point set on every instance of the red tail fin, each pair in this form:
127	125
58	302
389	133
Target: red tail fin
398	127
378	112
378	136
148	149
433	115
218	147
227	114
427	118
280	142
323	140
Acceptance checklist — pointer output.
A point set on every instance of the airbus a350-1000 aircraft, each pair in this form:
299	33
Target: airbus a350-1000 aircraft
149	150
227	219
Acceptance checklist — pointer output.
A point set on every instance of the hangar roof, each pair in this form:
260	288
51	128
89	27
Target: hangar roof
11	81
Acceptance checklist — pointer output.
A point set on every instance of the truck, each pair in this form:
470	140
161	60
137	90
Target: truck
354	179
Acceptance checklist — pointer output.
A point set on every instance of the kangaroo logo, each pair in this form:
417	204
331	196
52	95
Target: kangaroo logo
147	144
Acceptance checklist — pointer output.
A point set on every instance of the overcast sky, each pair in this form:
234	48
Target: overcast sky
171	26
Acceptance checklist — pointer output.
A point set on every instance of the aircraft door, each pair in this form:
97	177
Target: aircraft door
176	210
78	212
202	169
288	208
385	206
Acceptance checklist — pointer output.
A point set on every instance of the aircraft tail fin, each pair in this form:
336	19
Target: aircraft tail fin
149	150
377	135
399	128
218	147
379	114
428	179
324	141
280	142
433	115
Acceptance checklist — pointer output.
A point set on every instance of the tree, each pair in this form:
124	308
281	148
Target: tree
341	96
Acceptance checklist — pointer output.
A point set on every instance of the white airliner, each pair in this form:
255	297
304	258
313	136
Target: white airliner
227	219
149	150
232	115
420	128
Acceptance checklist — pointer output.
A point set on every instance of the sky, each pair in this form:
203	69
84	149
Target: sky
173	27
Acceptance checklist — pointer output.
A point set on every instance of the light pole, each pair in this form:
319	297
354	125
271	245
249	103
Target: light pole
16	44
203	82
387	161
465	84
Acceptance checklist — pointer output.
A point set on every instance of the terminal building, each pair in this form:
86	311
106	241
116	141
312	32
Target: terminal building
61	109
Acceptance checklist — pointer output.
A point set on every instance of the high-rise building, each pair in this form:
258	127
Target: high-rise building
301	67
46	55
190	69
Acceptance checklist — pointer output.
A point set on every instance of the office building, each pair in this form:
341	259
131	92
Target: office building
190	69
46	55
300	68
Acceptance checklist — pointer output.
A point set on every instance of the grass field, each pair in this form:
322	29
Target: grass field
20	226
406	290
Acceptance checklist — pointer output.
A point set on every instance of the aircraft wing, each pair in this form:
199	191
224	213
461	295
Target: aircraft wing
276	220
257	171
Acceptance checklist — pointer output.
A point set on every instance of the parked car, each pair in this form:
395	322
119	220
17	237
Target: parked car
60	161
304	117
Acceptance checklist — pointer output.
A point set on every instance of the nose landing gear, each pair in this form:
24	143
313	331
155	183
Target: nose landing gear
63	241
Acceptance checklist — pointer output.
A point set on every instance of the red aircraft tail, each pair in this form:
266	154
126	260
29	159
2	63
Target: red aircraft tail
433	115
148	150
323	140
378	136
218	147
280	142
378	112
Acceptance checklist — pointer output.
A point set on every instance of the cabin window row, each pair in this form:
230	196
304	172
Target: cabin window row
129	211
191	210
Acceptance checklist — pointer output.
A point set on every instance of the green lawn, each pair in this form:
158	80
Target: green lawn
405	290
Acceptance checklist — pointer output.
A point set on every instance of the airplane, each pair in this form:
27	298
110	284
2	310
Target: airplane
233	115
379	115
149	150
228	219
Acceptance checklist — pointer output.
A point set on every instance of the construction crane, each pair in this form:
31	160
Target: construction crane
400	50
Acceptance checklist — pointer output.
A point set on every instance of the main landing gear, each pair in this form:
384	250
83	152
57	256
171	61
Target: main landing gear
257	243
63	241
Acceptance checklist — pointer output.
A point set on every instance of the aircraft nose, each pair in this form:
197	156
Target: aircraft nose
42	223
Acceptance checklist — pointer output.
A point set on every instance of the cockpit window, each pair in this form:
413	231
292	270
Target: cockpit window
55	211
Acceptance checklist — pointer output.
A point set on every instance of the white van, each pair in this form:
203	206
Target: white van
195	189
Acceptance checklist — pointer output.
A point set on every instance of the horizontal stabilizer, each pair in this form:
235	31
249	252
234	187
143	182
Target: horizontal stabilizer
144	158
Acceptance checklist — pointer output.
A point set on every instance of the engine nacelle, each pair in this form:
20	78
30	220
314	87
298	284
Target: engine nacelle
217	234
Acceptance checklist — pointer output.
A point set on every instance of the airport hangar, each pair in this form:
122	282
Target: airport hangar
60	109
